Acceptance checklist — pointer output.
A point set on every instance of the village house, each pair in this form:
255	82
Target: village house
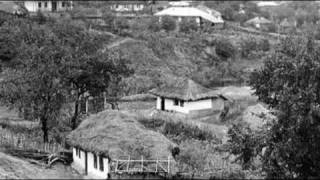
130	8
12	8
186	96
200	13
48	6
287	25
103	138
260	23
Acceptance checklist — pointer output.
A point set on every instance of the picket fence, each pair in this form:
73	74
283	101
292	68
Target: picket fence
22	142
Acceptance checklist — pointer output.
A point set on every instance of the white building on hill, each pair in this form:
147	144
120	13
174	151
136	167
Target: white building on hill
48	6
200	13
186	96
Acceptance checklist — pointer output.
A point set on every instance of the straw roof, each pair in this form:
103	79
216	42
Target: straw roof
115	134
258	20
185	89
185	11
11	8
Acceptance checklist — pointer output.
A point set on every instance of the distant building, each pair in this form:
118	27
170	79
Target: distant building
200	13
130	8
186	96
12	8
48	6
287	25
258	22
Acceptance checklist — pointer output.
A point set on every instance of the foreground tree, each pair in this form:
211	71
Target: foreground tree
289	82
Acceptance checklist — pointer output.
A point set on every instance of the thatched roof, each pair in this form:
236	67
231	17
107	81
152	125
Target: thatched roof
115	134
258	20
186	89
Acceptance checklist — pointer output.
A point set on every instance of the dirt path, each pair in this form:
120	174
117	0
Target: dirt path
15	168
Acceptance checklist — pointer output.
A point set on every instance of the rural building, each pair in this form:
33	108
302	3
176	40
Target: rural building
48	6
201	14
186	96
12	8
103	138
258	23
287	25
130	8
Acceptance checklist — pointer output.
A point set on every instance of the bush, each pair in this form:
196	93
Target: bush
168	23
154	25
248	45
188	26
264	45
225	49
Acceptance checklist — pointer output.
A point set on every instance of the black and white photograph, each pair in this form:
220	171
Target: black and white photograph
159	89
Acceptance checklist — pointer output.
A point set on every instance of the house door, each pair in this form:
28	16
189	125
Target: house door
54	6
86	162
162	104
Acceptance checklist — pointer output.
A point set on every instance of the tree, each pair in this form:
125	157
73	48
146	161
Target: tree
37	78
91	69
289	83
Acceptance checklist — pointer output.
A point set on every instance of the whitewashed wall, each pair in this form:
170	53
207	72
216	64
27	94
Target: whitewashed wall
198	105
95	172
32	6
158	102
215	104
79	164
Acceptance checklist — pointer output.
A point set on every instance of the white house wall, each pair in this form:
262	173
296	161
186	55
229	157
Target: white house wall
215	104
79	164
95	172
32	6
198	105
158	102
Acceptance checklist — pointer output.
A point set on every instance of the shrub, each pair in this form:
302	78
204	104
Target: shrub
154	25
188	26
168	23
248	45
264	45
225	49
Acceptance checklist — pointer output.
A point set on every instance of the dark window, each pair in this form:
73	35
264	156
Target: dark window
181	103
176	102
101	163
39	4
79	153
95	161
63	4
45	4
76	151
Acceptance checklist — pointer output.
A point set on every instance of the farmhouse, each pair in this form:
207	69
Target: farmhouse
186	95
258	22
109	135
48	6
199	13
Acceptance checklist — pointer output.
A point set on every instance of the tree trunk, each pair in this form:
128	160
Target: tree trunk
76	112
75	115
44	128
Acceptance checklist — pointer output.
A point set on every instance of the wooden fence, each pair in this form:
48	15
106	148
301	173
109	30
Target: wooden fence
142	165
22	142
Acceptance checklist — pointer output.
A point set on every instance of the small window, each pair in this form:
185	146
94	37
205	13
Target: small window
39	4
76	151
182	103
176	102
45	4
101	163
63	4
95	161
79	153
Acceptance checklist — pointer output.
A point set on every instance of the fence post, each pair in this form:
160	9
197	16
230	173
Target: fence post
116	166
128	164
168	164
141	163
157	165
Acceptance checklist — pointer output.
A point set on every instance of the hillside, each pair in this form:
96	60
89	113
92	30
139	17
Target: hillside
158	57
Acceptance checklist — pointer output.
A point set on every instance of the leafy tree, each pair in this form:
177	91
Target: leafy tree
289	83
225	49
